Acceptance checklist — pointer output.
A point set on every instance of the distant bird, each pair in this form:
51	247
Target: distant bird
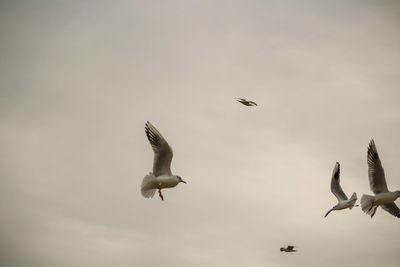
336	189
246	102
289	249
161	177
377	182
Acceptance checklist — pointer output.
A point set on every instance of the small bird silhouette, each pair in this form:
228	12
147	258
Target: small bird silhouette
246	102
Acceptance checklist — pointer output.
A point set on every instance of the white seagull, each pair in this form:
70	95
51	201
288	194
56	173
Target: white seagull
289	249
377	182
336	189
161	177
246	102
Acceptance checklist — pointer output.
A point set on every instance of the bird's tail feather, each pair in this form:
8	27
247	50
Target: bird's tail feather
148	186
366	204
353	199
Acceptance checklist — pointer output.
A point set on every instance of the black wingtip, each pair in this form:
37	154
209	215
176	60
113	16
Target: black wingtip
372	149
336	170
371	144
147	131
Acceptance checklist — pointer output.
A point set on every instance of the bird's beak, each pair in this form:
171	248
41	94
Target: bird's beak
183	181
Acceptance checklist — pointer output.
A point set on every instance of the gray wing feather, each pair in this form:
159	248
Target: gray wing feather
336	189
376	174
162	151
392	209
245	102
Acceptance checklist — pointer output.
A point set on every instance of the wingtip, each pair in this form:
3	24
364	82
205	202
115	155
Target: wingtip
148	126
371	143
147	130
336	169
372	148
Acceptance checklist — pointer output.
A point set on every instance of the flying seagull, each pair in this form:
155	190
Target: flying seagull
336	189
377	182
289	249
161	177
246	102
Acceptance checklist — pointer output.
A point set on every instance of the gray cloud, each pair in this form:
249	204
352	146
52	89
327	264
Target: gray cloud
80	78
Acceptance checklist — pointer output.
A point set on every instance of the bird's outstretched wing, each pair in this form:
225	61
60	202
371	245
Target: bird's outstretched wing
392	209
162	151
291	247
376	174
336	189
252	103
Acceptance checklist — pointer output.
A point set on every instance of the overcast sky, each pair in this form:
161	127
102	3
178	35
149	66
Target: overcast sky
79	79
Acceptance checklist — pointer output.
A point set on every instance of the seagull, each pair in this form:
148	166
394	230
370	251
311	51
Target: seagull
336	189
377	182
246	102
289	249
161	177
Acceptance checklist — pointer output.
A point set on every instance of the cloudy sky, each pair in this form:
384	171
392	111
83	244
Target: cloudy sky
79	79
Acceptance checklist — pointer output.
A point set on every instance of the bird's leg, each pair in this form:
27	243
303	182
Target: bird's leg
373	213
159	193
372	205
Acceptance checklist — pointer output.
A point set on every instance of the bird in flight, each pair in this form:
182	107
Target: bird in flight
336	189
377	182
246	102
289	249
161	177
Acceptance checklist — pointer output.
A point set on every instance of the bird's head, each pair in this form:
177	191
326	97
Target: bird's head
180	180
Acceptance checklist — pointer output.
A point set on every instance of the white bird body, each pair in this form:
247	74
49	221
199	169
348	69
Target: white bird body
369	203
161	177
346	204
385	198
336	189
377	182
167	181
